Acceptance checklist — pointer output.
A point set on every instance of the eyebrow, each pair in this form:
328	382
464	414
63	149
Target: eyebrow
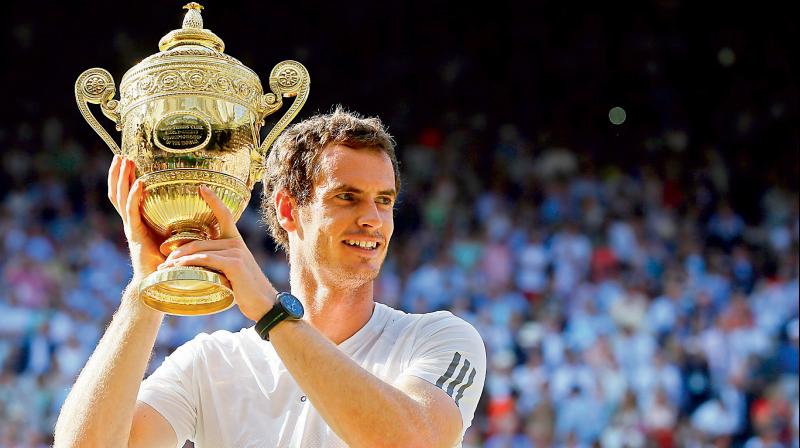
351	189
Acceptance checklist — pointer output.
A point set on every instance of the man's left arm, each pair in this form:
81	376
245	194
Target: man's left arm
362	409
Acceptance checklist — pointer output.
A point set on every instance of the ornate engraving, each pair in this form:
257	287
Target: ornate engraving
288	78
179	176
161	298
193	51
196	52
96	86
193	80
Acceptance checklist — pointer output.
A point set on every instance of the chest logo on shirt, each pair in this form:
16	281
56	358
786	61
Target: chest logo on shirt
450	388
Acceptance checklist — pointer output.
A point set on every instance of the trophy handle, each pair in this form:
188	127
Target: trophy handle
96	86
287	79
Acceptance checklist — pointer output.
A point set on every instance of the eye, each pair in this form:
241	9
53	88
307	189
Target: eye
345	196
384	200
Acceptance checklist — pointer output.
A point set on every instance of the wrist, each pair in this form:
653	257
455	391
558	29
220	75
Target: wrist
144	262
286	307
139	275
141	271
256	310
131	301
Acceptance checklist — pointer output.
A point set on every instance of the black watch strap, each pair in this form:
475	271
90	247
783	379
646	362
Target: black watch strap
273	317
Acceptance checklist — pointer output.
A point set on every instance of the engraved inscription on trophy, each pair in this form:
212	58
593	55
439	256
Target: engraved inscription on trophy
181	131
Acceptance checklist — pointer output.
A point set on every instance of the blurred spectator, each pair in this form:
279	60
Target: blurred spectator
660	420
716	418
626	428
726	227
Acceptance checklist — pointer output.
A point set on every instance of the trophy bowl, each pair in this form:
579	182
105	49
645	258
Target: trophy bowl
190	115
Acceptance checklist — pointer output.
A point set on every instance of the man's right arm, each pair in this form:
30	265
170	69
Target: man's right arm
101	409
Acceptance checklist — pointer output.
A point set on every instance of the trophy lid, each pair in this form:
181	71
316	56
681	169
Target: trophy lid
190	62
192	32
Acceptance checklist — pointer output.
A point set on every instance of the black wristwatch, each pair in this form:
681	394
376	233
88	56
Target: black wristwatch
286	306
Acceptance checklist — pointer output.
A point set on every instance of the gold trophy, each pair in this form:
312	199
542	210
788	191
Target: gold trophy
191	115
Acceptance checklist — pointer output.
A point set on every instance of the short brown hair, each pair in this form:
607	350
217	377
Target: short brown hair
292	164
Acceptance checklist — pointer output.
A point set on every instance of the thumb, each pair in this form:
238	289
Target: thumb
227	224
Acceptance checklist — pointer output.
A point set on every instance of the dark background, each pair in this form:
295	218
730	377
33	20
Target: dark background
553	69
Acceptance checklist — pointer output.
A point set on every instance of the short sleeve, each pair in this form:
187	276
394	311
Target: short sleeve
170	390
450	354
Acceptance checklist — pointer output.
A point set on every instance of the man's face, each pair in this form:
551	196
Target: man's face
344	231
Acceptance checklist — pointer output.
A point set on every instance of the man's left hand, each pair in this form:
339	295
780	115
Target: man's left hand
229	255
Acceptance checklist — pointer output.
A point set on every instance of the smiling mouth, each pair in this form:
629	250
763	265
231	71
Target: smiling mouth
366	245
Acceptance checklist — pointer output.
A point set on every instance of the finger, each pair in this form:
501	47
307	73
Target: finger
113	174
203	246
227	225
230	254
209	260
132	207
133	174
124	185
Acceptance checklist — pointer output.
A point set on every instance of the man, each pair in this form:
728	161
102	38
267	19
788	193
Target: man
351	372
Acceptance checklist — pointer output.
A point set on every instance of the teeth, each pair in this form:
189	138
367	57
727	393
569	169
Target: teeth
363	244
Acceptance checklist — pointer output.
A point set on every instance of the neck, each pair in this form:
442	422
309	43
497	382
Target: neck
337	311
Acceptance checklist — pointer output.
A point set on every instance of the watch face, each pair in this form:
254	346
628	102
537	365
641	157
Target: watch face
292	305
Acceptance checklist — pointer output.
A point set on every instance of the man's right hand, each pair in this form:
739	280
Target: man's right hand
125	193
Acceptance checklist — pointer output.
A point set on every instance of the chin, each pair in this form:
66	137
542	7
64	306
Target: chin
355	278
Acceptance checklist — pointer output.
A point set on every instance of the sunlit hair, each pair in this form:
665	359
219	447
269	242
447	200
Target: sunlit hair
293	162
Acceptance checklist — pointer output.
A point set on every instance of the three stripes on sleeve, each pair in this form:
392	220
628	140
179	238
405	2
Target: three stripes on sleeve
451	385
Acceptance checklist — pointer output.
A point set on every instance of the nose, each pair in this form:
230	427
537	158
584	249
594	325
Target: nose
369	216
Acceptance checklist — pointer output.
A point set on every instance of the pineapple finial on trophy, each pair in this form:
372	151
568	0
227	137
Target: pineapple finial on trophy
192	32
193	19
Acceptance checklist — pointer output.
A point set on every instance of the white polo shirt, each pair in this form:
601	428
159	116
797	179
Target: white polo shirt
232	390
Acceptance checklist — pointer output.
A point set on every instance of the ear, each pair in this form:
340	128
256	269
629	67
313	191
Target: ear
286	207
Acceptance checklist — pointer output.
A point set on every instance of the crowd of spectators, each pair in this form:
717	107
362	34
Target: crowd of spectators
615	306
635	284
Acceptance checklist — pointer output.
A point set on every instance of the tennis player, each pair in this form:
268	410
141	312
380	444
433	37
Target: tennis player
325	365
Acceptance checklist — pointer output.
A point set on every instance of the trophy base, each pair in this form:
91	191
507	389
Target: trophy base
187	291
